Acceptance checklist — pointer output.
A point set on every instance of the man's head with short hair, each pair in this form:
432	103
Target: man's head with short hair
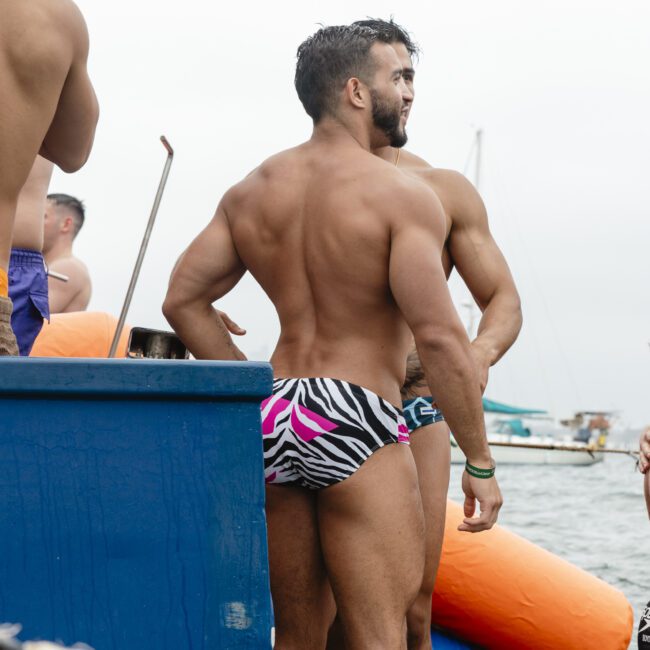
64	217
333	56
326	60
405	47
391	32
72	206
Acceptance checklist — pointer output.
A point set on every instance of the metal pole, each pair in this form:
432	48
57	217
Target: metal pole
559	447
143	247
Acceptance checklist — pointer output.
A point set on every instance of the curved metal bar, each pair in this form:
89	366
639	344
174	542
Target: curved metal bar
143	246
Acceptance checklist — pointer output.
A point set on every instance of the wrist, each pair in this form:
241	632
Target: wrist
486	352
485	461
481	471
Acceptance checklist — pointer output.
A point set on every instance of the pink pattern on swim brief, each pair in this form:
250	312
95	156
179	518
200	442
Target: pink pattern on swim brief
403	434
303	430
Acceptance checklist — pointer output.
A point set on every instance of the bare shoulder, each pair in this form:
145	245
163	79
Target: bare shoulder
70	266
461	200
404	199
273	173
66	19
50	33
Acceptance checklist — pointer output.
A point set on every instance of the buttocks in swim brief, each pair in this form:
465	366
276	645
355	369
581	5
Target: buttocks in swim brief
28	291
318	431
420	412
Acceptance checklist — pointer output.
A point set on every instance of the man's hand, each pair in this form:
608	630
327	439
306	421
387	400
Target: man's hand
486	491
644	451
482	361
233	328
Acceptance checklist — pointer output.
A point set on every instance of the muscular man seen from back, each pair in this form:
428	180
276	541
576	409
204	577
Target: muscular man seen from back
47	105
348	249
471	249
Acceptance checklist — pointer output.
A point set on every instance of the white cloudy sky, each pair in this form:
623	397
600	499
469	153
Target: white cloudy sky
561	89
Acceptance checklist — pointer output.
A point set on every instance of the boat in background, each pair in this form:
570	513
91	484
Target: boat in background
526	436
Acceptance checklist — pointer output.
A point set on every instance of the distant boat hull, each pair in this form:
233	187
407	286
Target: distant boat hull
538	454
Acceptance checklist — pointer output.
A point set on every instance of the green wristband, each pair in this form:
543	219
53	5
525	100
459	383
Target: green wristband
478	472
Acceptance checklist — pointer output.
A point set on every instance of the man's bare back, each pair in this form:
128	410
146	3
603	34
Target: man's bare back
325	261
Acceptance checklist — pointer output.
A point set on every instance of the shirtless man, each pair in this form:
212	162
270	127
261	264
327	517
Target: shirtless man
470	248
47	106
342	244
64	217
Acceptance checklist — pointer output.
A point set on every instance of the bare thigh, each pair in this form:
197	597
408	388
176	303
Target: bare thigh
372	534
302	599
432	454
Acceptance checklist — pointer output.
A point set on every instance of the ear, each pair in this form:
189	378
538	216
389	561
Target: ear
66	224
356	93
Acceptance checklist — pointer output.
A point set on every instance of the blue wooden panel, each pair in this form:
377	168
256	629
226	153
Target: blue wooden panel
146	378
134	522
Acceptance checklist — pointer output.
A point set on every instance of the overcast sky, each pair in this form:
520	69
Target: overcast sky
561	90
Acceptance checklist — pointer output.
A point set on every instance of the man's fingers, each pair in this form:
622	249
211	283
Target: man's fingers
469	507
485	521
233	328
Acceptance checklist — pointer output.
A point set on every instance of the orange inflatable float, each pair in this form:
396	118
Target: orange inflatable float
501	592
80	334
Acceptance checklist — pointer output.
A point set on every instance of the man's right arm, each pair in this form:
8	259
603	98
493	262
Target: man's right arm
205	272
419	285
70	136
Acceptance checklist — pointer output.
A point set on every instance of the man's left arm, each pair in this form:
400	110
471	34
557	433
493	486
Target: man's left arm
206	271
486	274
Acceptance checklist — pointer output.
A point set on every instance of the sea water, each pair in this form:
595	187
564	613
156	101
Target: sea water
593	516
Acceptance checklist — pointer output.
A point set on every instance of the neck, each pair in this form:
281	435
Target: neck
331	130
386	153
61	248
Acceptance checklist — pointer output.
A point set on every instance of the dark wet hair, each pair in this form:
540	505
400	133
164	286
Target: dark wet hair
75	207
391	33
327	59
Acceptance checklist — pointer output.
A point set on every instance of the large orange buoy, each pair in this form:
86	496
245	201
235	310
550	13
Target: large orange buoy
502	592
80	334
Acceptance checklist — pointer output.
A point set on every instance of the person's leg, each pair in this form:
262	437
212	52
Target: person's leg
432	454
372	534
302	599
8	343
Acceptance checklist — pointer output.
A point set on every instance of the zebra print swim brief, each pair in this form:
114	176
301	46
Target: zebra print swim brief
318	432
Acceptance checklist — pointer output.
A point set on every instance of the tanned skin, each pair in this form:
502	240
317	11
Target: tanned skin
47	104
337	237
471	249
644	464
59	234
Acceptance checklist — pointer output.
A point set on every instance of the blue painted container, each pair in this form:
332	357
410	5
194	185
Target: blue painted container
132	503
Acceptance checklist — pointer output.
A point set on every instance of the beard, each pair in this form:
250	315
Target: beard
387	118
